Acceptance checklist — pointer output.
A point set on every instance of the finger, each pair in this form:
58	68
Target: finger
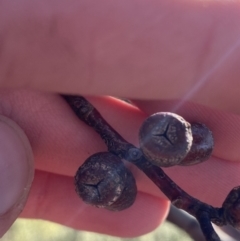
53	198
44	113
16	172
158	49
61	142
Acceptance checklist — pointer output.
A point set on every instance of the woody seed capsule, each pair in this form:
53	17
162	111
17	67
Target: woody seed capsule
165	138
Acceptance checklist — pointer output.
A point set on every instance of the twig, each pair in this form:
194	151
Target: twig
204	213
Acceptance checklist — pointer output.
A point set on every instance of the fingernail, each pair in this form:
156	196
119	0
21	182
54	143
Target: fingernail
16	171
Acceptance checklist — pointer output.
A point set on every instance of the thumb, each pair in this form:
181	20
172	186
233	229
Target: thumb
16	172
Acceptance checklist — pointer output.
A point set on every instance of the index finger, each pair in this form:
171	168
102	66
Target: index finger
138	49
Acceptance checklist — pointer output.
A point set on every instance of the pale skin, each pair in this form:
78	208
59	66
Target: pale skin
175	52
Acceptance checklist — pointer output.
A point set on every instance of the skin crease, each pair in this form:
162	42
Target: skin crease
180	56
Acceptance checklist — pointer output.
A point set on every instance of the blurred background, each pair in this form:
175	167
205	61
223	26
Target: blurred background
179	226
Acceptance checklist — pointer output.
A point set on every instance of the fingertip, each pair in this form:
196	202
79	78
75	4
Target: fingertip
16	171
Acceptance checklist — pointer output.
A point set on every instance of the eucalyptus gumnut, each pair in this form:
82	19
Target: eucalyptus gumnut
103	181
202	145
165	139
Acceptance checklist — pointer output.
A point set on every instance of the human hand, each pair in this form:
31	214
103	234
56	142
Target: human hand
175	53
